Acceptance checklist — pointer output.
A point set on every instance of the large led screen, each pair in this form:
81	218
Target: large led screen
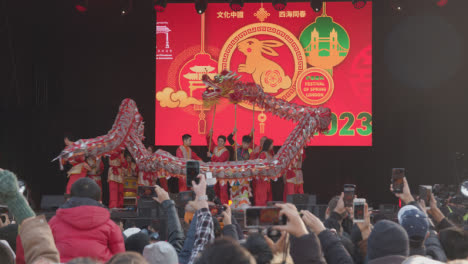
298	55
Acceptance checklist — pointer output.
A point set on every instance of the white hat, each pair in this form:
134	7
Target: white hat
131	231
160	253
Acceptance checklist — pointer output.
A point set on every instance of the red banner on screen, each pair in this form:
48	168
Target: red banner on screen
298	55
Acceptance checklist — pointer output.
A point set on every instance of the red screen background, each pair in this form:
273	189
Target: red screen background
176	50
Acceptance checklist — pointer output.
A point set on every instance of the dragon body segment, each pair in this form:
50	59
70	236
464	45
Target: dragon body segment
127	132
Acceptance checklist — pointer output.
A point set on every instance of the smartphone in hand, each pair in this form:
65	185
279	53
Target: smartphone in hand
192	171
425	193
349	191
397	179
146	192
259	216
358	209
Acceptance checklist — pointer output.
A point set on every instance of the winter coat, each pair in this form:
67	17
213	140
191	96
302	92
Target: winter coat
82	228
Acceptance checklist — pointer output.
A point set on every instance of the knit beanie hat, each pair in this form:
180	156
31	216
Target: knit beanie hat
160	253
10	196
137	242
386	239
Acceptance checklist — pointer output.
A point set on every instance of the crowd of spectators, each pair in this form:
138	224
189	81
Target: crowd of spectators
82	232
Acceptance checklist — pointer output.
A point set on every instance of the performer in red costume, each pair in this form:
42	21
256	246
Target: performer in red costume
97	167
219	153
150	177
262	188
117	163
185	152
241	191
79	167
257	149
293	179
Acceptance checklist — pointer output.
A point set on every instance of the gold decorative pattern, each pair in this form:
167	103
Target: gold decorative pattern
261	14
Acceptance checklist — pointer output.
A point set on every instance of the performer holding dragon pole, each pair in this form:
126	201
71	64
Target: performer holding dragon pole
294	179
241	191
219	153
148	178
79	167
186	152
115	179
96	169
262	187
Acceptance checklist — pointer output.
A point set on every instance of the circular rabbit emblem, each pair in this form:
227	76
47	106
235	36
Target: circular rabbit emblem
267	54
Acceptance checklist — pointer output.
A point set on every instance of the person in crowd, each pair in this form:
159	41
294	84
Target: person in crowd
333	250
339	217
83	261
262	188
422	241
184	151
387	243
82	226
127	258
175	233
413	218
231	227
8	231
137	242
219	153
225	250
258	246
204	225
160	253
455	242
35	233
7	255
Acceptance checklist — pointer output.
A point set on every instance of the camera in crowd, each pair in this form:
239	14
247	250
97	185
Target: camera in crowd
453	201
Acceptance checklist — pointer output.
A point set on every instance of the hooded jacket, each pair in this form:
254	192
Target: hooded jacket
83	228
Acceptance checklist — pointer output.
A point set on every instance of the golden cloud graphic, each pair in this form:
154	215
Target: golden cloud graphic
172	99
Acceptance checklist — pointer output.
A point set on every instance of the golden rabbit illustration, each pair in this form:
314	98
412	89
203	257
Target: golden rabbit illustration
269	74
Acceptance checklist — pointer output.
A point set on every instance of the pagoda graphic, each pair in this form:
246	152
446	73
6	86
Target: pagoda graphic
166	52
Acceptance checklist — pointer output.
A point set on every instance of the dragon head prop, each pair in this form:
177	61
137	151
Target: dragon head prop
225	85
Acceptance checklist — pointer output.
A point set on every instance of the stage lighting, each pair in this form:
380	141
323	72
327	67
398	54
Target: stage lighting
316	5
81	5
126	6
200	6
358	4
236	5
159	5
279	5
